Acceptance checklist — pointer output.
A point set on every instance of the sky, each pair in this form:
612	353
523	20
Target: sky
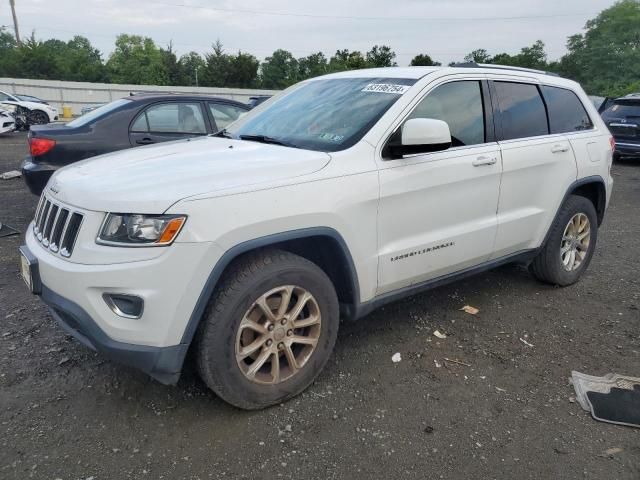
444	29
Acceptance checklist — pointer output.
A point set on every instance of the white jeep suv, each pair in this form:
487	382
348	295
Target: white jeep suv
341	194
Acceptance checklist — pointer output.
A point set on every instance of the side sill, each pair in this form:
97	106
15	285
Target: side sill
524	256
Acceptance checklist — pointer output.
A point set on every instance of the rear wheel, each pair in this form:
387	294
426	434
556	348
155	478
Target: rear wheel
570	244
269	329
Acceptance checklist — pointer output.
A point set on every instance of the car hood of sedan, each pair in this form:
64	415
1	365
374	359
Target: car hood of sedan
151	179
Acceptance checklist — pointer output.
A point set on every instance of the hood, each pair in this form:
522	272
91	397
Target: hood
33	105
151	179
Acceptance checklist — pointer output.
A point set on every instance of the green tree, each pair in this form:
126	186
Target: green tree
190	63
423	60
217	67
171	66
381	56
312	65
279	70
137	60
606	58
243	71
83	62
346	60
478	56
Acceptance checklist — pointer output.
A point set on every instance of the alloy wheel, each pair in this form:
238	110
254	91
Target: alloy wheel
278	334
575	242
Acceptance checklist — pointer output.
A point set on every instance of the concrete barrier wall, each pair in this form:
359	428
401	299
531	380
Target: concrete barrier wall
79	94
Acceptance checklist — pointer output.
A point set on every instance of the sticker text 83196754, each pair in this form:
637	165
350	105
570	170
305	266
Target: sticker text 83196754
386	88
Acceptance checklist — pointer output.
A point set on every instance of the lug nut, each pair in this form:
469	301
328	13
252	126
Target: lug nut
280	346
283	321
289	333
269	342
270	327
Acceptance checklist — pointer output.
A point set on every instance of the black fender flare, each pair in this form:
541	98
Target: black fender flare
261	242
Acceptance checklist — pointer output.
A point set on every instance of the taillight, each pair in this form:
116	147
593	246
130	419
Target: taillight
612	142
40	146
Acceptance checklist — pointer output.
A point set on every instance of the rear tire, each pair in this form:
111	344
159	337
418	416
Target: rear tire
268	330
570	243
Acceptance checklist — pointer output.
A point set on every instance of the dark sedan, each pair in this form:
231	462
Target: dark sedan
129	122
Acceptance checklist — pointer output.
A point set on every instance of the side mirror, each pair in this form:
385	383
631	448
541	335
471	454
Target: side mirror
422	135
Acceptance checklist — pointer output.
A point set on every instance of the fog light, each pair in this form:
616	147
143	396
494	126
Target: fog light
127	306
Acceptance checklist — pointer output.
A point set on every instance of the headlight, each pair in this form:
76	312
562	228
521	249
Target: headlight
132	229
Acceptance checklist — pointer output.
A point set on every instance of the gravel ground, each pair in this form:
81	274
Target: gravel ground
67	413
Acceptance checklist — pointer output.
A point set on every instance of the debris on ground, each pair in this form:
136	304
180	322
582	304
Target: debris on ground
470	310
437	364
7	231
10	174
526	343
609	452
439	334
612	398
396	357
458	362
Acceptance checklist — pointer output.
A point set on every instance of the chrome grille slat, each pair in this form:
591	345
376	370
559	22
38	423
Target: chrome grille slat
56	226
48	225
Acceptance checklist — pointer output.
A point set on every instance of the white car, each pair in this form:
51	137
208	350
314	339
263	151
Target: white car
41	113
7	122
341	194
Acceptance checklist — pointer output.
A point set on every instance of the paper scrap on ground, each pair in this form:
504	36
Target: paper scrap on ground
526	343
396	357
439	334
470	310
10	174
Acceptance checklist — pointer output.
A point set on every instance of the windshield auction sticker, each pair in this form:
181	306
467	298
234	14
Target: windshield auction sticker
386	88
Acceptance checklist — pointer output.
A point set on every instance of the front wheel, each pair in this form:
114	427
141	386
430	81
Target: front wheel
570	243
269	329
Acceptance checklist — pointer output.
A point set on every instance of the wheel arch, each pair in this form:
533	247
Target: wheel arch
321	245
593	188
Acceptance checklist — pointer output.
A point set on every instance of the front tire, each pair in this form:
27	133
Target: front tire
570	243
268	330
38	117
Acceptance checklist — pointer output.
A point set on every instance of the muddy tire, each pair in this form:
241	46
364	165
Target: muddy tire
269	329
570	243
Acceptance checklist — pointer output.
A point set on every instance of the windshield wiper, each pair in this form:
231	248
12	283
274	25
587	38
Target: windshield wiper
266	139
222	133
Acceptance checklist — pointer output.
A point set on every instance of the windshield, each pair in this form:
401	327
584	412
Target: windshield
325	115
623	109
98	112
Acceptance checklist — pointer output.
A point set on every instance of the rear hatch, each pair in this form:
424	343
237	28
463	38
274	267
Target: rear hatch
623	119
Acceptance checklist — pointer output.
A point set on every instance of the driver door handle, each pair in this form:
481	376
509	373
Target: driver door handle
559	149
145	141
484	160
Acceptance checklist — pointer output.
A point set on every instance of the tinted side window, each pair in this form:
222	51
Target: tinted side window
460	105
566	112
224	114
522	110
176	117
140	125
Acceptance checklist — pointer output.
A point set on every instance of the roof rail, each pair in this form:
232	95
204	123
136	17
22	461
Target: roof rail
502	67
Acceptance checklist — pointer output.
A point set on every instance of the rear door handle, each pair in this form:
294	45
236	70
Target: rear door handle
145	141
559	149
484	160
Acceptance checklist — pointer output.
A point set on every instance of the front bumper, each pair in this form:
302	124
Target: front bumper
169	283
36	175
162	363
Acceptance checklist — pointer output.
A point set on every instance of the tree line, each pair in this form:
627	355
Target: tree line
605	59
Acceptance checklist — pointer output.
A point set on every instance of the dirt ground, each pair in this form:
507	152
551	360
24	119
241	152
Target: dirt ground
67	413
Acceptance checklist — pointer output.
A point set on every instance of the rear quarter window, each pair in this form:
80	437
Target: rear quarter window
566	112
